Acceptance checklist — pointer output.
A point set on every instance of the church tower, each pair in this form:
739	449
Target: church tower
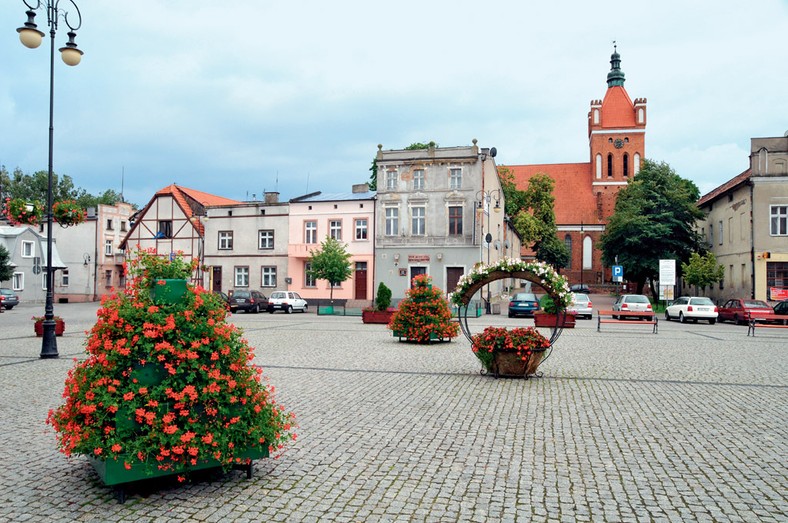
616	134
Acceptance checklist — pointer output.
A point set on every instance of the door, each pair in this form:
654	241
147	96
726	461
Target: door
216	279
361	281
415	271
453	275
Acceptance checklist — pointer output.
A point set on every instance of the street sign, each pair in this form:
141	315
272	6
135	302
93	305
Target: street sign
618	273
667	272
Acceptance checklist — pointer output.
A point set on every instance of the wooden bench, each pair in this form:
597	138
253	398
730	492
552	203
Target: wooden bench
650	318
761	318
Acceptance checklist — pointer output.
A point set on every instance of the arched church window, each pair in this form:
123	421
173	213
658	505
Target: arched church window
610	165
626	165
568	243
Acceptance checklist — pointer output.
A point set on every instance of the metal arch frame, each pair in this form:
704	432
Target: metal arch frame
53	11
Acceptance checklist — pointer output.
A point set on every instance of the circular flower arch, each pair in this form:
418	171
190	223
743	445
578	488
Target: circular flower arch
537	272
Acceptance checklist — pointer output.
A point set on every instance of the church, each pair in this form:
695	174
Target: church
585	193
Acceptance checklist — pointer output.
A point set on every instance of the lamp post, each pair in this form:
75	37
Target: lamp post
482	198
31	38
582	253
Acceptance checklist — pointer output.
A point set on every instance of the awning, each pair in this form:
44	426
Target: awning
57	263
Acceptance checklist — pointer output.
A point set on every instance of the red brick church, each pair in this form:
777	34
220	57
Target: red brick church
585	193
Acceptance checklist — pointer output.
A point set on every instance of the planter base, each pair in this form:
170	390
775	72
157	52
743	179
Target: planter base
377	317
508	364
542	319
60	328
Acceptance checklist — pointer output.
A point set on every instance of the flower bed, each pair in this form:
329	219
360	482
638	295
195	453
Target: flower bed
424	315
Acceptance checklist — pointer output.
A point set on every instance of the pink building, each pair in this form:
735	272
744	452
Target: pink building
347	217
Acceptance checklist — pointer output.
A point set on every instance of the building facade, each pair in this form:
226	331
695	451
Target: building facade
27	248
435	209
346	217
585	193
746	225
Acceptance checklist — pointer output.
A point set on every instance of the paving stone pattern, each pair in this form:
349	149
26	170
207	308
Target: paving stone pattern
686	425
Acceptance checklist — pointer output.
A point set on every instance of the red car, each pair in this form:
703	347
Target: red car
738	309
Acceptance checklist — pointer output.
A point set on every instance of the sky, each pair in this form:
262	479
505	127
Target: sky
237	99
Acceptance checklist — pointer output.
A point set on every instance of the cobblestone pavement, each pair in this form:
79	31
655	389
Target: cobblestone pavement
686	425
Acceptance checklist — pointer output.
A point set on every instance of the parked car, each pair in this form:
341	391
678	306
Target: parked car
248	301
523	304
580	287
10	299
224	297
692	308
738	309
631	302
581	305
782	308
286	301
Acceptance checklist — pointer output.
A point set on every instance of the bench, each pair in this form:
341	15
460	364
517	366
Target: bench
761	318
650	318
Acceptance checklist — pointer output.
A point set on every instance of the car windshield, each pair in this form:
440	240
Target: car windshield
7	292
756	304
241	294
636	298
524	296
701	301
580	297
278	295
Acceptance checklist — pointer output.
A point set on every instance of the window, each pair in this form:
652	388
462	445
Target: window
609	165
417	224
310	232
418	180
778	215
361	229
64	278
392	221
108	247
455	179
711	235
391	180
268	277
28	249
455	220
108	278
225	240
266	239
241	276
730	230
626	165
335	229
18	281
309	280
720	234
568	243
165	229
109	224
123	225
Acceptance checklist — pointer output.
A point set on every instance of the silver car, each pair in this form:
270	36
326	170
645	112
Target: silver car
581	305
631	302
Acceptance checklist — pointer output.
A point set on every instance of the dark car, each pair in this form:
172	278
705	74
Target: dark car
248	301
225	299
10	299
737	310
782	308
523	304
580	287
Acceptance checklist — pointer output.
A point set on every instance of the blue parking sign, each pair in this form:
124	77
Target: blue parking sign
618	271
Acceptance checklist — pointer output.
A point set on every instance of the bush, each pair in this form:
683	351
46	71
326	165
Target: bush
383	299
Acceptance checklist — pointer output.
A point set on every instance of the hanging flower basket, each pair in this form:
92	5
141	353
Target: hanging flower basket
68	213
21	212
510	353
38	326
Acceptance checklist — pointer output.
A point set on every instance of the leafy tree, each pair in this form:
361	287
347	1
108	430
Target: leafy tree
108	197
34	187
702	270
534	216
654	219
331	262
6	271
373	178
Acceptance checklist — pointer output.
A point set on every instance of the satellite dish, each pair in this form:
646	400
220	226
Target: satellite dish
493	152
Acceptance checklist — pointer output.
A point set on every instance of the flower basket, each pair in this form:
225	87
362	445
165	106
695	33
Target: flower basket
510	364
38	326
22	212
68	213
510	353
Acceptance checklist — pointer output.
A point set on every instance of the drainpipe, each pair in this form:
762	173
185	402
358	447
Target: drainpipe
752	241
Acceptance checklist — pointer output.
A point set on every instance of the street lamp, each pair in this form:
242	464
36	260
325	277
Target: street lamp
31	38
482	198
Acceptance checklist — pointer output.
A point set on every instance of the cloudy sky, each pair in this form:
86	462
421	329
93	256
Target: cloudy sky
240	98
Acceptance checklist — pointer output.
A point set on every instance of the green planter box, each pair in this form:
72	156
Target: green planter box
173	291
114	472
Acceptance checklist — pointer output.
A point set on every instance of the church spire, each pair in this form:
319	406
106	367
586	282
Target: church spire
616	75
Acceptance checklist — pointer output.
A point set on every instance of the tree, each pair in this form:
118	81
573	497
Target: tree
6	270
33	187
654	219
331	262
702	270
533	212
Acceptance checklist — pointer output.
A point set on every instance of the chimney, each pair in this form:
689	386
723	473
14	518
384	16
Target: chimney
360	188
271	197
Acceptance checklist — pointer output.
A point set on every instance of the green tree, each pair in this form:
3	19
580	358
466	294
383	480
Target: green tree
654	219
331	262
533	212
34	187
702	270
6	271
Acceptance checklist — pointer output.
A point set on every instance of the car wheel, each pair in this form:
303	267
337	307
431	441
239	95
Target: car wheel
305	307
667	316
736	319
270	310
712	321
511	315
289	309
682	319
